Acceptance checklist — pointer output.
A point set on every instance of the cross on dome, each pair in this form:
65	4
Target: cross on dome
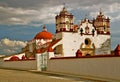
44	34
44	28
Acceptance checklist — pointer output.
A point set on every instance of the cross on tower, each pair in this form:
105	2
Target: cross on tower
64	5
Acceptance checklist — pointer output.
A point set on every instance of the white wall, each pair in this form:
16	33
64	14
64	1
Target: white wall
22	65
102	67
72	41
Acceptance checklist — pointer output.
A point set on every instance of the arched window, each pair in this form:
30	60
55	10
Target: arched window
87	41
58	50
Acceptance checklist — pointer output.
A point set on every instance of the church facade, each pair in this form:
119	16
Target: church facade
91	37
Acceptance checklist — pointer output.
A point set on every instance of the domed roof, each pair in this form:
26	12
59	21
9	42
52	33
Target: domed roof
14	58
43	35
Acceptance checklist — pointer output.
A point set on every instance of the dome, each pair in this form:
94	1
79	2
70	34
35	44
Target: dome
43	35
14	58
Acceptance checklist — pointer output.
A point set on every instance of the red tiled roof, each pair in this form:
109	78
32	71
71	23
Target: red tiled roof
50	49
50	46
43	35
54	42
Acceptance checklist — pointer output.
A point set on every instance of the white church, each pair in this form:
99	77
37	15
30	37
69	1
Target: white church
90	37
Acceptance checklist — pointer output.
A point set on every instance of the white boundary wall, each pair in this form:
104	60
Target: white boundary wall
21	65
100	67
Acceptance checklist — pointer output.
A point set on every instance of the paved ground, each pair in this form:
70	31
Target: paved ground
27	76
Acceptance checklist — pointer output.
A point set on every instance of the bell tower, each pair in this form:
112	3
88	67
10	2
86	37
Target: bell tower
102	24
64	21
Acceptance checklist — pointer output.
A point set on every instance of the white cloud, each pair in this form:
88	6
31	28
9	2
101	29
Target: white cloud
109	10
46	14
14	16
21	16
115	7
8	46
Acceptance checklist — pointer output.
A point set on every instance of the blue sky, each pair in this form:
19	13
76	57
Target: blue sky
20	20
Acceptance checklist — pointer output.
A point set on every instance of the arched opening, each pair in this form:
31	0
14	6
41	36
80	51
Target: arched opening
58	50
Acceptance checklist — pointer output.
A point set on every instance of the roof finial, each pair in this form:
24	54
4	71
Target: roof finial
100	11
64	8
44	28
86	16
64	5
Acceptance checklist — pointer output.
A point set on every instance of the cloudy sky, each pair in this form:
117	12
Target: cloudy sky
20	20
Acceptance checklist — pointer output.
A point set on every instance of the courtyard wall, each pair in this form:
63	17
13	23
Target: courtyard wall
20	65
105	67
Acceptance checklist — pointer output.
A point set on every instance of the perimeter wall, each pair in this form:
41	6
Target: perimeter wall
21	65
106	67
